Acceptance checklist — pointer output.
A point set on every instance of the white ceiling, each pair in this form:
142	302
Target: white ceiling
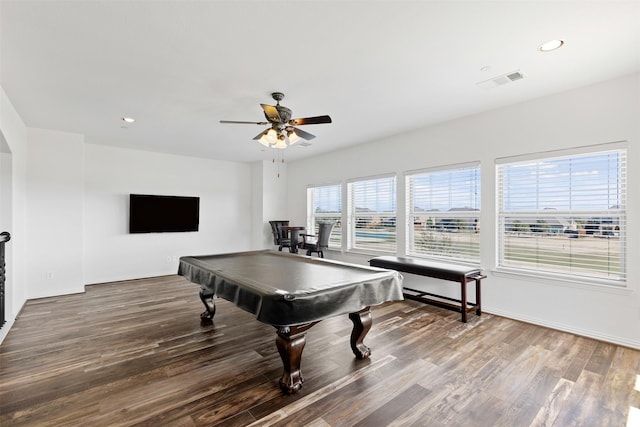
378	68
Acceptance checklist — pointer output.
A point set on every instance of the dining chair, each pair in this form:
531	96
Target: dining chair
321	240
280	236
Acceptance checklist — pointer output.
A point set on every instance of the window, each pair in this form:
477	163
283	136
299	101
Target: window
564	215
443	213
325	204
373	214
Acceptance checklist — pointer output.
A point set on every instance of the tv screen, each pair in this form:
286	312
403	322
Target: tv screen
163	214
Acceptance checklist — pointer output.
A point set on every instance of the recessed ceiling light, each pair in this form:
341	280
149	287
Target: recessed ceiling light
129	119
551	45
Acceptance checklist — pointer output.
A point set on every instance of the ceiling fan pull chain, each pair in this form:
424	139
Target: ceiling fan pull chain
280	160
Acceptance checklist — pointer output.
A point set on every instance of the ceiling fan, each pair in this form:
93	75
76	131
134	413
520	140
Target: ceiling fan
282	131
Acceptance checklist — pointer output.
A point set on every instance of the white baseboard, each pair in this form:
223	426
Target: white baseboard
4	331
564	328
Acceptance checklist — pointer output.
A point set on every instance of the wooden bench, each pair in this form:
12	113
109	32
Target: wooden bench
438	270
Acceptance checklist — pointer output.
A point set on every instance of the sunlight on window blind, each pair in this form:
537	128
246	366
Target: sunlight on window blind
326	205
443	213
564	215
373	214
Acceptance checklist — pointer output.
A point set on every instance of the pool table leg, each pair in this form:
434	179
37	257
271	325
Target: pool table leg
290	342
362	321
209	304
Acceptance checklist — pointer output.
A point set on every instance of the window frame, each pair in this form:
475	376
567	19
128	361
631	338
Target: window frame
503	217
336	239
464	253
352	218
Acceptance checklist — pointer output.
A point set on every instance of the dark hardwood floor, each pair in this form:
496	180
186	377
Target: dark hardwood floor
135	353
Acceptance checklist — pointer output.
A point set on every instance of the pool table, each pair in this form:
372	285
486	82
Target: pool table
293	293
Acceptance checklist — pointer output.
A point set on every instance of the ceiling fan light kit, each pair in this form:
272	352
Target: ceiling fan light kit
282	133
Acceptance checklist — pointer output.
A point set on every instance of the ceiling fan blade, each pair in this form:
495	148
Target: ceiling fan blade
271	113
302	134
244	123
310	120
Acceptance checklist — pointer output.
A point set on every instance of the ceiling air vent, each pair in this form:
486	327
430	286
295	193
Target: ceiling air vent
501	80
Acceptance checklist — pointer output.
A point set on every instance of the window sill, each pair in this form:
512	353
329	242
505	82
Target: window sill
600	285
366	252
456	261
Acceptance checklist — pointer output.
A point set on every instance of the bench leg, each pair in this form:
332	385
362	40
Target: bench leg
478	300
463	300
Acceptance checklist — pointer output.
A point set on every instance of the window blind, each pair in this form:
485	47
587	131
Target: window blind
564	215
443	213
326	205
373	214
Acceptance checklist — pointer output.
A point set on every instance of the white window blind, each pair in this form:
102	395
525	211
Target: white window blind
373	214
443	213
325	204
564	215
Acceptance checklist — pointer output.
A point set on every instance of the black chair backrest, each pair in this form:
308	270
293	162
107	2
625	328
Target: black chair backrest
278	233
324	233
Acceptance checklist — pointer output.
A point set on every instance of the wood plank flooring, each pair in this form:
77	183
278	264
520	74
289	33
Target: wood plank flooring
135	353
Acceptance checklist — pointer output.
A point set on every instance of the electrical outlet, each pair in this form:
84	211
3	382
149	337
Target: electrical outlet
49	275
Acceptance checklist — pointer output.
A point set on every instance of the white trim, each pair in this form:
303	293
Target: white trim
552	154
328	184
413	191
579	282
562	327
371	177
312	216
4	331
453	167
455	261
368	252
620	148
352	215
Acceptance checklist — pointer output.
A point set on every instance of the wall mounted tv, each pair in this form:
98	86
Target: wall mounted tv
163	214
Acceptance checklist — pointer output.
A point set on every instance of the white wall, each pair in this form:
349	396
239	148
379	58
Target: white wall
14	133
51	189
111	174
6	222
258	231
54	213
67	210
602	113
5	187
269	200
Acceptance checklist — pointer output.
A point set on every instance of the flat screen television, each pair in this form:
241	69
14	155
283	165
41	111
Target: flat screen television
163	214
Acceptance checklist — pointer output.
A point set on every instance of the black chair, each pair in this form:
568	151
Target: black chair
321	240
280	237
